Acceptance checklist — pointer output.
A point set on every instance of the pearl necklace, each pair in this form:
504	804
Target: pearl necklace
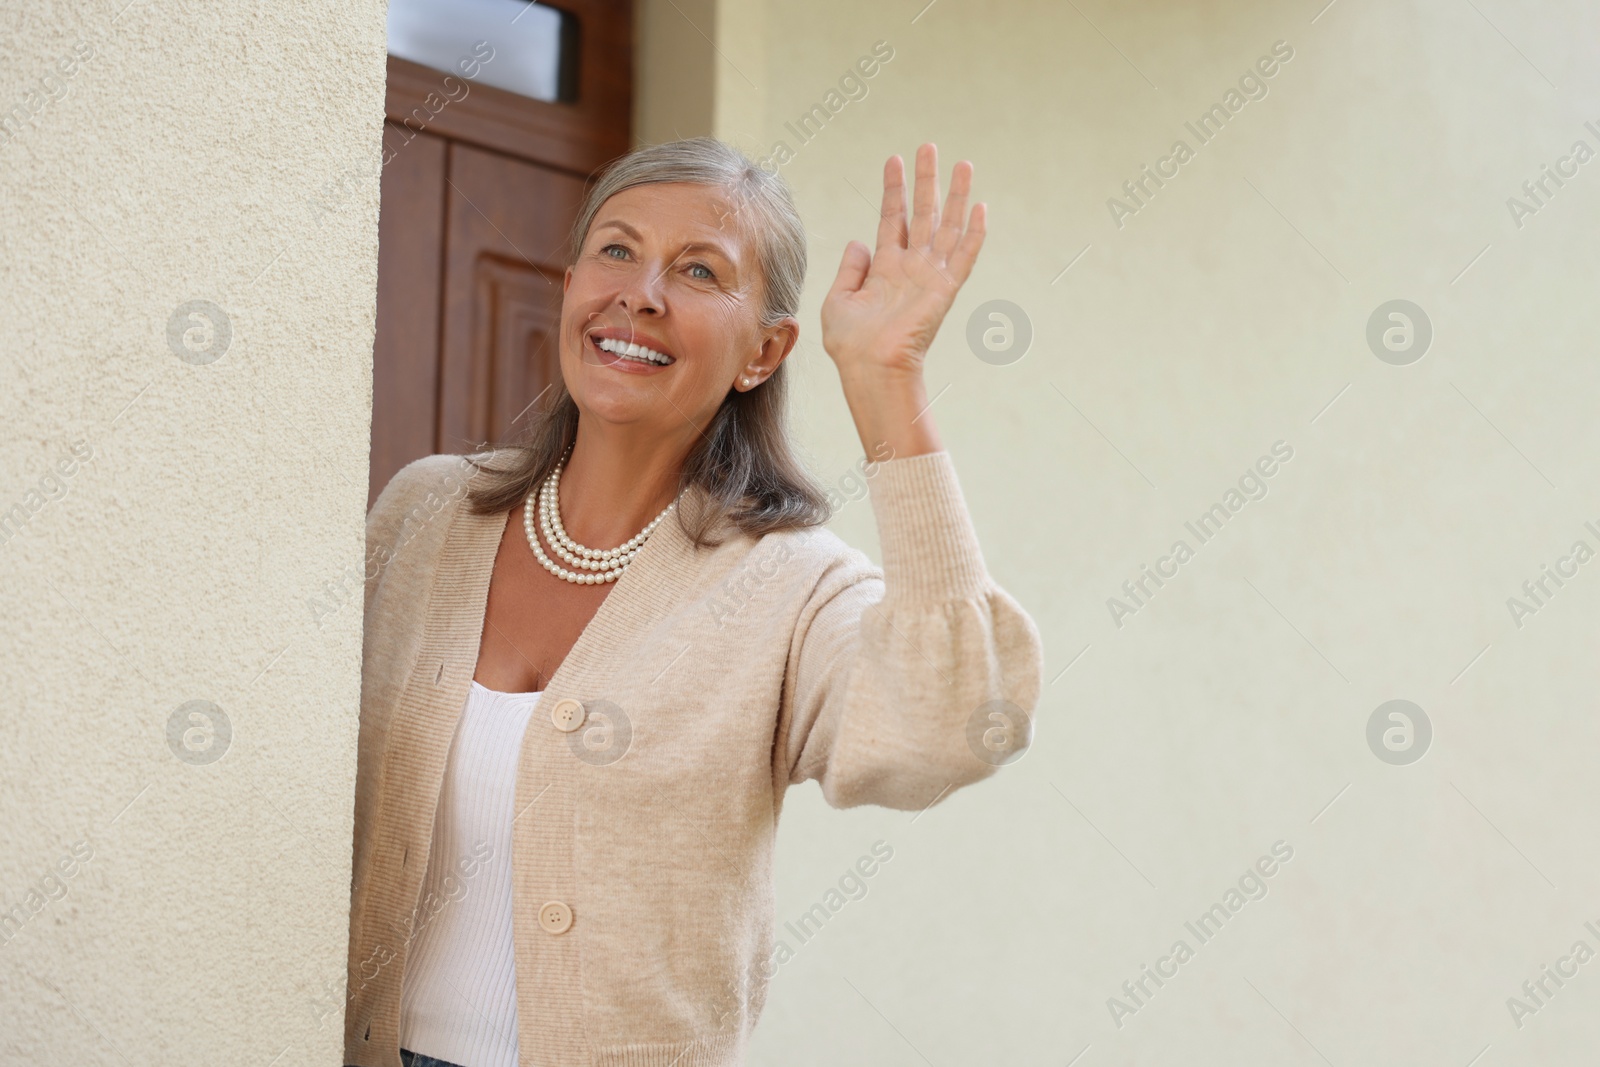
602	565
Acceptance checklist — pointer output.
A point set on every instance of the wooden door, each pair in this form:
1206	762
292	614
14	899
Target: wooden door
479	195
508	223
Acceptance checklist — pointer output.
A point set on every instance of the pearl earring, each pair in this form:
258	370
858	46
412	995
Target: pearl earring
746	381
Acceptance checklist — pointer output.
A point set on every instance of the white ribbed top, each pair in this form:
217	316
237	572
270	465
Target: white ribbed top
458	997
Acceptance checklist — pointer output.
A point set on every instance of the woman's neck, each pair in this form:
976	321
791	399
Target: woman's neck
616	481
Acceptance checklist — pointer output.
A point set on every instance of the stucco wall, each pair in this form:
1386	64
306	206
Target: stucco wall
188	240
1229	709
674	69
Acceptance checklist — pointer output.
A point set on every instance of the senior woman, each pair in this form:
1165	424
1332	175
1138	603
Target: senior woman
595	661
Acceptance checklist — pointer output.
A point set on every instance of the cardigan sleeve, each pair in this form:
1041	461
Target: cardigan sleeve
909	682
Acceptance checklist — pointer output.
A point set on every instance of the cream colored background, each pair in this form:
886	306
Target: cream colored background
231	154
227	152
1207	727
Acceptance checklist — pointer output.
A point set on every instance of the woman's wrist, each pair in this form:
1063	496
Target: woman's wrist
891	408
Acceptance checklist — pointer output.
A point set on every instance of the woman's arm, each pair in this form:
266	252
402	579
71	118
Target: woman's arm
913	681
923	679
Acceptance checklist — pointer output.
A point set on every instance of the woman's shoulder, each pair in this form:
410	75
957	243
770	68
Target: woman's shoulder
440	471
416	497
910	495
442	476
815	555
810	542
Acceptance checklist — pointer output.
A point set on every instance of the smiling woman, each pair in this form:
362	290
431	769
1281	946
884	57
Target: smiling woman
624	748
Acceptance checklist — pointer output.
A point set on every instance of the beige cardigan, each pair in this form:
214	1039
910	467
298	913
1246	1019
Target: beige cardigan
708	681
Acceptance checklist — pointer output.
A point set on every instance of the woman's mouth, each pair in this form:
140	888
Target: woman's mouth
628	356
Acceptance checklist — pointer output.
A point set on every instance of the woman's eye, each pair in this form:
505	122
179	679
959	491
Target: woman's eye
608	249
707	276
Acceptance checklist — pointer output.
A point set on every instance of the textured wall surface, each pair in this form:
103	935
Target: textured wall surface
188	241
1176	340
674	69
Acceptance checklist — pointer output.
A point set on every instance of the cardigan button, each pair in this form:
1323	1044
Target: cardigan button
555	917
567	715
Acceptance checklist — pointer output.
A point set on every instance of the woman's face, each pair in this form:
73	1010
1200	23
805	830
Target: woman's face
667	266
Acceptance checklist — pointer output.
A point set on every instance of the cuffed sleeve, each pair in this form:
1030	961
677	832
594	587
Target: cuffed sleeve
898	675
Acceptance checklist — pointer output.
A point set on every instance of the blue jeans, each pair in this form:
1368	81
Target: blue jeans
417	1059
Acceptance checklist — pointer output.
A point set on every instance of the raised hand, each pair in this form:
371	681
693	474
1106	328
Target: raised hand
885	306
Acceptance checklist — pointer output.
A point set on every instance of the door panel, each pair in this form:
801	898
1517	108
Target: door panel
405	351
507	224
514	335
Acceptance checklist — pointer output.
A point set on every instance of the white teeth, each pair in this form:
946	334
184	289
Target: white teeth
632	351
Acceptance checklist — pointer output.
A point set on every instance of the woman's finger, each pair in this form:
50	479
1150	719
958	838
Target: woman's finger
925	215
966	250
853	267
955	210
892	218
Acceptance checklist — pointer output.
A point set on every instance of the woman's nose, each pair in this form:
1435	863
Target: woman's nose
641	293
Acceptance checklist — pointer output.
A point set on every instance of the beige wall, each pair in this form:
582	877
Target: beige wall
208	545
1224	316
675	82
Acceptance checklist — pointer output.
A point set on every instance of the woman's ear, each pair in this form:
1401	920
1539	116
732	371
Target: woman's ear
778	340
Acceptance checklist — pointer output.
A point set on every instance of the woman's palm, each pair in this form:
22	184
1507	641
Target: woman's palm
886	306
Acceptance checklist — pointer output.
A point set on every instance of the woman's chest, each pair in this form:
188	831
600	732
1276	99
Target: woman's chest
531	620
